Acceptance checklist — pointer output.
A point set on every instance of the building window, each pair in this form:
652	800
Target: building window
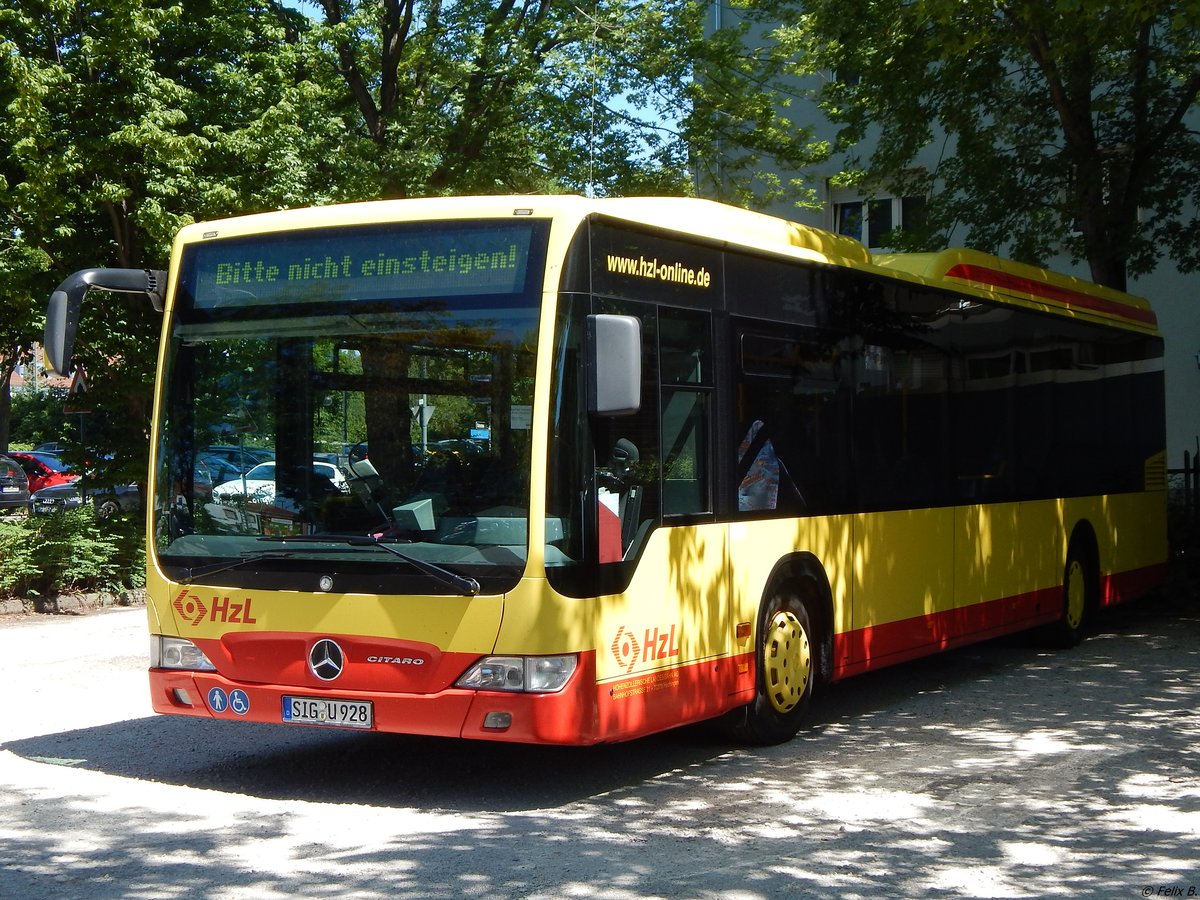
871	220
848	219
879	221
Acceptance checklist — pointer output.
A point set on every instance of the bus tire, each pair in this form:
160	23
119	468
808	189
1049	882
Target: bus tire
788	658
1080	590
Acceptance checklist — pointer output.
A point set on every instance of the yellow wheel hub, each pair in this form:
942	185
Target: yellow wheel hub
1076	594
787	661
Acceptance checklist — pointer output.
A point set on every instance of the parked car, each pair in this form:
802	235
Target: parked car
211	470
108	501
258	485
42	469
242	458
459	447
58	449
14	486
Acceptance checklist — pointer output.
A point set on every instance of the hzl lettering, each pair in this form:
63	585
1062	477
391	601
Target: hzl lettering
659	644
222	609
225	610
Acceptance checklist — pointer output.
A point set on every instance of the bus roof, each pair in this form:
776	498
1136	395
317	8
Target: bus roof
733	225
1005	280
992	277
981	274
685	215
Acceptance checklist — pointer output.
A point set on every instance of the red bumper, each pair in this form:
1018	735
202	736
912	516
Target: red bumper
565	717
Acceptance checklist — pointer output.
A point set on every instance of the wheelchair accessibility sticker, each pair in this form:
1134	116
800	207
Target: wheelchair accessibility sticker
237	701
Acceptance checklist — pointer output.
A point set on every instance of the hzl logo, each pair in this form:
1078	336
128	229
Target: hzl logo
194	610
656	644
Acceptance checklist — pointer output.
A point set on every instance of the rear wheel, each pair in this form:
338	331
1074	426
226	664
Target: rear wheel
1078	597
788	663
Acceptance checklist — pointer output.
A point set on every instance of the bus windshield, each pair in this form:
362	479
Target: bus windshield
327	390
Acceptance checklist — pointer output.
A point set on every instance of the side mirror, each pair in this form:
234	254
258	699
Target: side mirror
613	365
62	320
62	312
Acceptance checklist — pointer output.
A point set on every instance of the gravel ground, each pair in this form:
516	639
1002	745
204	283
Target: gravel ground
997	771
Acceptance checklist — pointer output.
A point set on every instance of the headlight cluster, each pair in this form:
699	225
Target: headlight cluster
528	674
177	653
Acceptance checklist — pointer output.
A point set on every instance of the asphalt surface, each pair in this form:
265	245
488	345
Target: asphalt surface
998	771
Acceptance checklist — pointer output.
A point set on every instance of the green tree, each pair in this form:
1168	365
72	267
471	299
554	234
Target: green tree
19	324
1058	124
749	138
124	121
611	97
476	96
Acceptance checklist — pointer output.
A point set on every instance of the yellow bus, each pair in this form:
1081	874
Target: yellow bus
568	471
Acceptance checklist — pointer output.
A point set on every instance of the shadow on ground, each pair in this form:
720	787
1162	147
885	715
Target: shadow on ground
284	762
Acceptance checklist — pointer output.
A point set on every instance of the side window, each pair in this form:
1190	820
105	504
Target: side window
792	405
901	425
685	354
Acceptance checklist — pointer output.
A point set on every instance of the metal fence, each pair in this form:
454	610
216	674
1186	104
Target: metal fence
1184	503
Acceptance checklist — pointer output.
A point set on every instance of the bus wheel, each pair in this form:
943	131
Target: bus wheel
787	669
1078	597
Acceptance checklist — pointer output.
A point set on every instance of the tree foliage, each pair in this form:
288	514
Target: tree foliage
489	96
747	125
38	417
1052	124
125	119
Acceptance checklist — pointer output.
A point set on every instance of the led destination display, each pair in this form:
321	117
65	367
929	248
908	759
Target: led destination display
377	263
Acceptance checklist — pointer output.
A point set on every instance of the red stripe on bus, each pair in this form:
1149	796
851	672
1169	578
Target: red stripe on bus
643	703
877	646
1122	586
1005	281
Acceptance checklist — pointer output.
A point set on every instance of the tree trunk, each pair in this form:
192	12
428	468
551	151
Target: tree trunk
6	370
1108	270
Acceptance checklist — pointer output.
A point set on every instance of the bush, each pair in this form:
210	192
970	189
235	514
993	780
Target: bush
70	552
20	570
37	417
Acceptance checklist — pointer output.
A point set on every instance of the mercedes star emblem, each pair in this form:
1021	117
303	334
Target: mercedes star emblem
326	659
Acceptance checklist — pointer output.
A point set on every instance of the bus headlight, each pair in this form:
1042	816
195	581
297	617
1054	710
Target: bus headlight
177	653
530	674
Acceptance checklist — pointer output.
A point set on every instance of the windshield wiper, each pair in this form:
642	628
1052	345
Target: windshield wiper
194	572
245	559
464	584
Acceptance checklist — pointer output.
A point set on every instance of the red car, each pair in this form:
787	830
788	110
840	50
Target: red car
42	469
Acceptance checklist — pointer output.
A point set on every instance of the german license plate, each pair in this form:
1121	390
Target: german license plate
328	711
8	490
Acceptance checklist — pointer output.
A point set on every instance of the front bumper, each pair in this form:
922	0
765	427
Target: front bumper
566	717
